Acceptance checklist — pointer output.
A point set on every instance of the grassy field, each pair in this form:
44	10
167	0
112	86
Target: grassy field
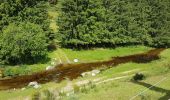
125	89
119	89
99	54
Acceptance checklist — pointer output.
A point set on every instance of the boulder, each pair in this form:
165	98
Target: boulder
85	73
76	60
33	83
49	67
93	74
96	71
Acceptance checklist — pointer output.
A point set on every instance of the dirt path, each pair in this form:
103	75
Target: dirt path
63	57
72	71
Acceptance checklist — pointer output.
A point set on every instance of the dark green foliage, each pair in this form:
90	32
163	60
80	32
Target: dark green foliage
12	71
34	11
84	23
30	28
138	77
79	22
23	10
162	38
52	1
21	43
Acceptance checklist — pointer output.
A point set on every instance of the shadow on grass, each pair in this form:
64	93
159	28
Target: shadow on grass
157	89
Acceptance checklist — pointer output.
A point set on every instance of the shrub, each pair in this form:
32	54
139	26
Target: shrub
15	71
162	40
138	77
22	43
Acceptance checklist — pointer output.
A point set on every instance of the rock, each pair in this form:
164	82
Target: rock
76	60
93	74
96	71
33	83
85	73
49	68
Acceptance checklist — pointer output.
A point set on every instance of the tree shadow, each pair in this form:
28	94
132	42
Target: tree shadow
157	89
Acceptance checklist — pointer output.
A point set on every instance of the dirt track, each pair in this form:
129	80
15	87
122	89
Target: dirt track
73	71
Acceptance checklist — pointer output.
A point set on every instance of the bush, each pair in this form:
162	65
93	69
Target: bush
22	43
138	77
162	40
16	71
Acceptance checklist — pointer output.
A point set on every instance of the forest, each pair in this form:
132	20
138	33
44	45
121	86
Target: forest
89	23
25	36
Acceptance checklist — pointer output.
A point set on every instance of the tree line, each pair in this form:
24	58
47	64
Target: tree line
111	23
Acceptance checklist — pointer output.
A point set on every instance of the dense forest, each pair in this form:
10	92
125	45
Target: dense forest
24	31
25	36
88	23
